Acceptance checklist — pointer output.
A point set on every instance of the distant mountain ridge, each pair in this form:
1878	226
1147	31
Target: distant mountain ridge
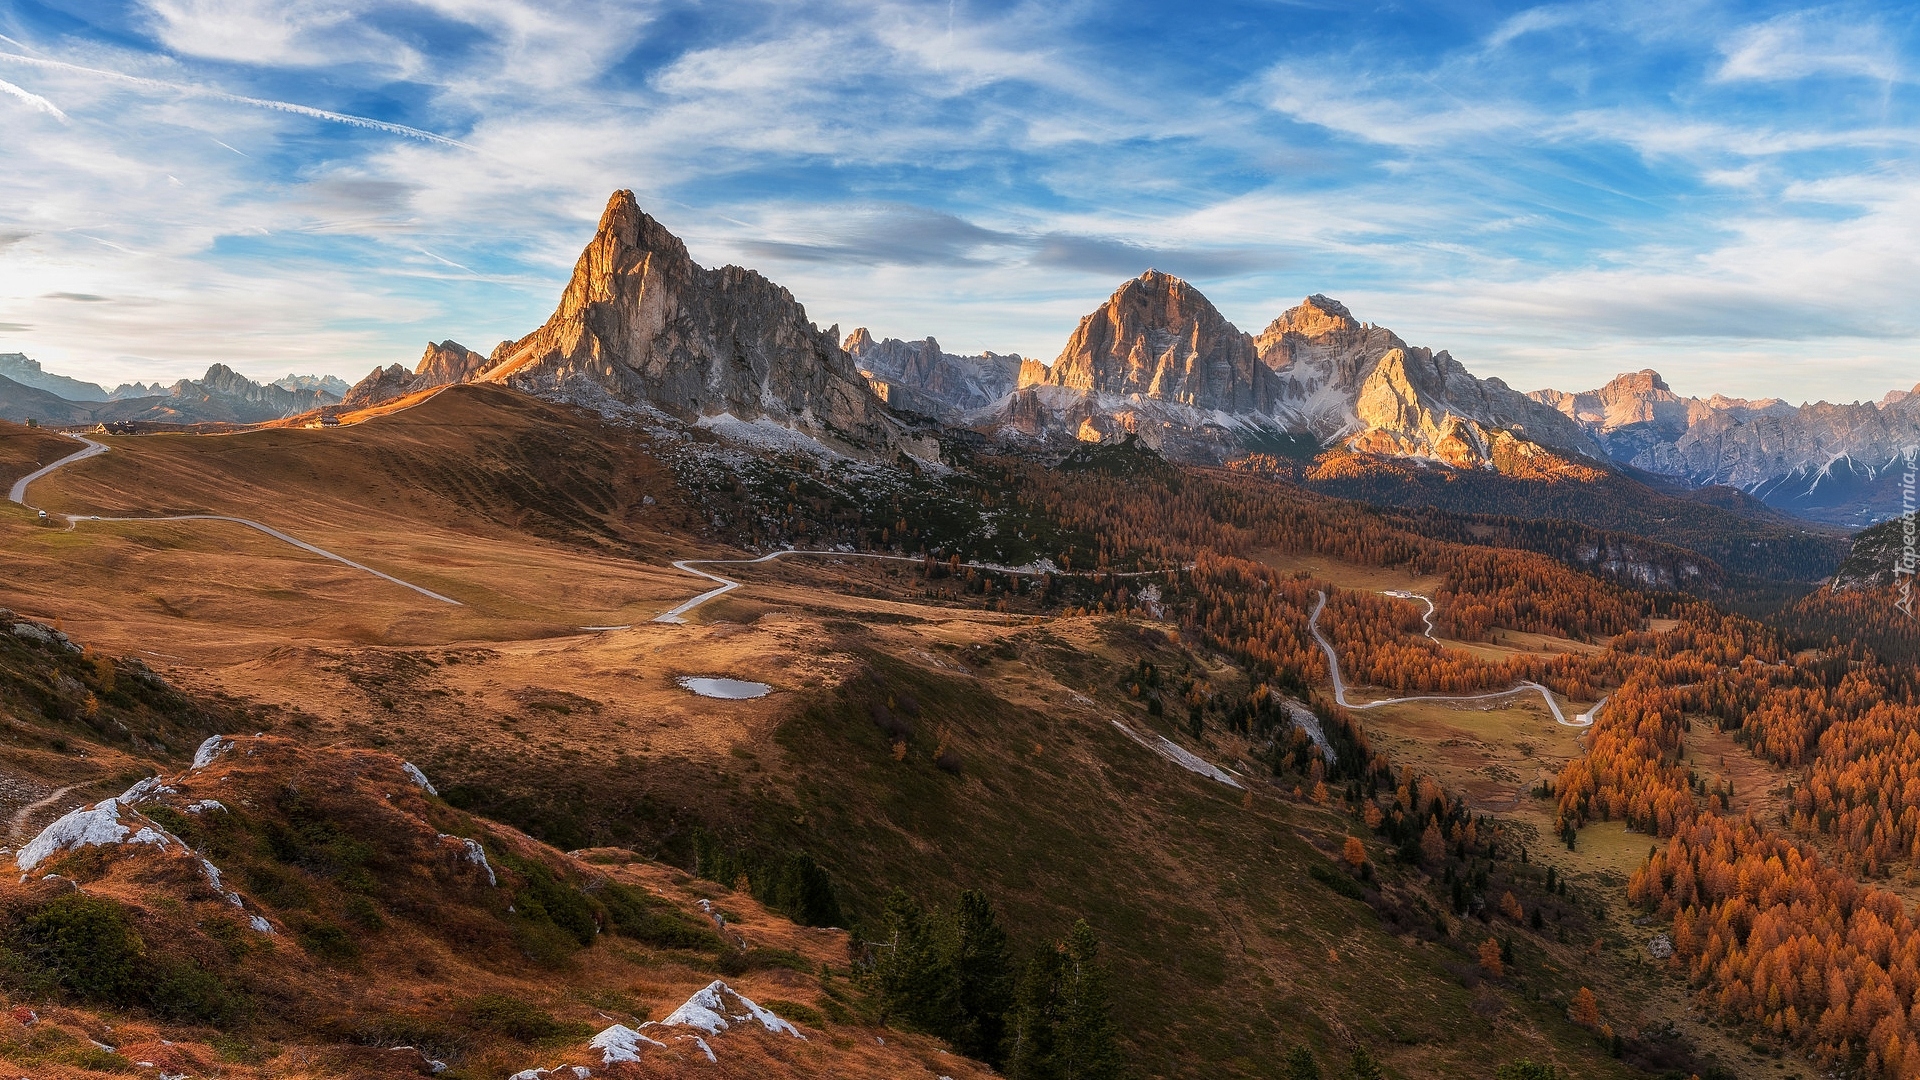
640	324
222	395
918	376
1834	463
22	369
1160	362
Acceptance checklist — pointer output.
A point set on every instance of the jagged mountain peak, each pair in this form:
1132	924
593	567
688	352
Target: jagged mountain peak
1157	337
921	377
1314	318
639	320
443	364
1644	381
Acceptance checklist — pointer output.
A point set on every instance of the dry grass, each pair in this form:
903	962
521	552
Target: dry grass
435	951
24	449
533	518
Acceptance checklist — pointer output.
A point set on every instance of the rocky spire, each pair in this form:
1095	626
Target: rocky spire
640	321
1159	338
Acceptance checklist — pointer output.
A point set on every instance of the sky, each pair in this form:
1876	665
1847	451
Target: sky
1729	193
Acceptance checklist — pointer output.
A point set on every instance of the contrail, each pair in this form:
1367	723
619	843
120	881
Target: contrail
34	100
449	262
221	95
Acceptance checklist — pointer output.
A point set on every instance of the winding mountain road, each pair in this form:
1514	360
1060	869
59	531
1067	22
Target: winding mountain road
1524	686
19	492
19	495
727	585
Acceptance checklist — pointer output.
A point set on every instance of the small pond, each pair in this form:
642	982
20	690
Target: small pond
731	689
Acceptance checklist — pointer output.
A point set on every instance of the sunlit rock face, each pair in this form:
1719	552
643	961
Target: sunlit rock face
641	322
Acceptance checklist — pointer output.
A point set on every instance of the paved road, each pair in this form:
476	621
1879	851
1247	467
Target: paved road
19	495
19	492
727	585
1396	593
1524	686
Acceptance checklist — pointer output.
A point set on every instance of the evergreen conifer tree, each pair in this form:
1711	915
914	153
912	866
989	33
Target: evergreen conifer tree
982	966
805	892
912	981
1088	1045
1036	1015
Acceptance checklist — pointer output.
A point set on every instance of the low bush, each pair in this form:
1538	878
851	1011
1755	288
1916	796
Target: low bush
519	1020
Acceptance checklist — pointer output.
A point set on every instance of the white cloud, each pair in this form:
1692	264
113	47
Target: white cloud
984	180
1806	43
296	33
33	100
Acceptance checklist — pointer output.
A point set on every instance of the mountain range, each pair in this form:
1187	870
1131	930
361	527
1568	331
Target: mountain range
1835	463
640	324
222	395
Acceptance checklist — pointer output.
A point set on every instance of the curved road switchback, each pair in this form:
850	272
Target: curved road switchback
1524	686
727	585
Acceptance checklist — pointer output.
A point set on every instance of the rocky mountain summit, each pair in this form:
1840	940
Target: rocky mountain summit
1159	361
641	324
443	364
918	376
1339	376
640	321
1834	463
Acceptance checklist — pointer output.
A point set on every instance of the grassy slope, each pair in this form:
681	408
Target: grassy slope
24	449
1218	936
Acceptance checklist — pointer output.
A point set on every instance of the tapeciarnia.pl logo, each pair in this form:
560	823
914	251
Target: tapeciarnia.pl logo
1909	559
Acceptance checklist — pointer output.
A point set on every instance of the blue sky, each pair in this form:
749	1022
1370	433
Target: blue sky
1555	193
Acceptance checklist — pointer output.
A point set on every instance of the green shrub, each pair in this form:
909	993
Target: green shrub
632	913
794	1011
740	961
519	1020
86	945
94	1059
546	898
182	991
1335	880
327	941
364	913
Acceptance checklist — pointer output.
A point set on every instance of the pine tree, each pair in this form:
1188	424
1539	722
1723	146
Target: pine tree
1089	1045
911	978
1036	1015
806	892
982	966
1301	1064
1362	1066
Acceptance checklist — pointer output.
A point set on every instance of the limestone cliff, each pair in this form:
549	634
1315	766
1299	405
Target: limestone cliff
1158	338
443	364
1835	463
921	377
1340	378
640	321
1159	361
